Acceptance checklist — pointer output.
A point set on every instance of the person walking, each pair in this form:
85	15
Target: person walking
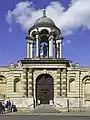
1	108
9	105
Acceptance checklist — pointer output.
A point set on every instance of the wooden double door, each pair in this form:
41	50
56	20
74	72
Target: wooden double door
44	89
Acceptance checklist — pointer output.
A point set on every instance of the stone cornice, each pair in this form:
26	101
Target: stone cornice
46	61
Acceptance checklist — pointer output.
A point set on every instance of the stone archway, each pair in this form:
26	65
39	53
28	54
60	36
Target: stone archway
44	88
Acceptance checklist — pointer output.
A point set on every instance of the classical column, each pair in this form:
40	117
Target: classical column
23	87
55	50
28	50
60	43
51	46
10	84
59	48
30	82
31	50
57	44
37	46
64	82
58	82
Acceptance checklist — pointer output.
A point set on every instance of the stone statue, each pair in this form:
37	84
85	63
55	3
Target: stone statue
44	50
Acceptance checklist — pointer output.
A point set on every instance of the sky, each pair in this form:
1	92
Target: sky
71	16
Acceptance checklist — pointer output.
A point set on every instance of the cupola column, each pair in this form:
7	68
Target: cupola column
37	46
59	48
55	50
51	46
31	49
60	43
28	50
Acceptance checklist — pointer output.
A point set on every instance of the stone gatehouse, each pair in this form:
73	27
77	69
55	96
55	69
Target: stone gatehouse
44	76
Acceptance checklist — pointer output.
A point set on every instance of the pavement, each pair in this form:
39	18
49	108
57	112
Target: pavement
45	117
67	114
47	110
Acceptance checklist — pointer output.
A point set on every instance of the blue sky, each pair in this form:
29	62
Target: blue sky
13	44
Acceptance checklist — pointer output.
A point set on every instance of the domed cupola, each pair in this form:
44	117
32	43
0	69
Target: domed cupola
44	20
44	39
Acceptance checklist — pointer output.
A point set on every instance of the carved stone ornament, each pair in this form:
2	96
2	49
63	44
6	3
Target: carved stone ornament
64	70
24	70
30	70
12	65
58	70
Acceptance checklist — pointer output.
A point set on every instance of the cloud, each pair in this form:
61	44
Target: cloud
10	29
9	17
68	41
76	16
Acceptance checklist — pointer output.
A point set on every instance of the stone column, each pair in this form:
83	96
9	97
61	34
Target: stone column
23	88
55	50
31	50
48	49
58	49
58	82
10	84
64	82
60	43
28	50
77	83
51	46
30	83
37	46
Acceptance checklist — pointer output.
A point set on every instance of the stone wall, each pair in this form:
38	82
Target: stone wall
61	78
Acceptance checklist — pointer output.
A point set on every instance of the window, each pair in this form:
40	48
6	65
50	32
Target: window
72	85
17	85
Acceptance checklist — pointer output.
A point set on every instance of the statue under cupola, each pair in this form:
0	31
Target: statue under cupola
44	39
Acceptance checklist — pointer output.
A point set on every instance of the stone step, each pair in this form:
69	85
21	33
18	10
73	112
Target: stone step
44	109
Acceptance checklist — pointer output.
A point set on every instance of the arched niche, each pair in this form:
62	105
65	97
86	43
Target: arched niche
72	86
43	49
44	88
86	86
17	85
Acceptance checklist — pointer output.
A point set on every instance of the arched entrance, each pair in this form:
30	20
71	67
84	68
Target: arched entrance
44	88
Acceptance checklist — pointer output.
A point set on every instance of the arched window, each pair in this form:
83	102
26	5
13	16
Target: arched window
17	85
2	86
2	78
72	86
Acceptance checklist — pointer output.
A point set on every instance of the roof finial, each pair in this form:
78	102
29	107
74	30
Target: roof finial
44	13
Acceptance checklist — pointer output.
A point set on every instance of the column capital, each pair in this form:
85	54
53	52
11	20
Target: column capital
29	39
37	36
51	37
59	41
